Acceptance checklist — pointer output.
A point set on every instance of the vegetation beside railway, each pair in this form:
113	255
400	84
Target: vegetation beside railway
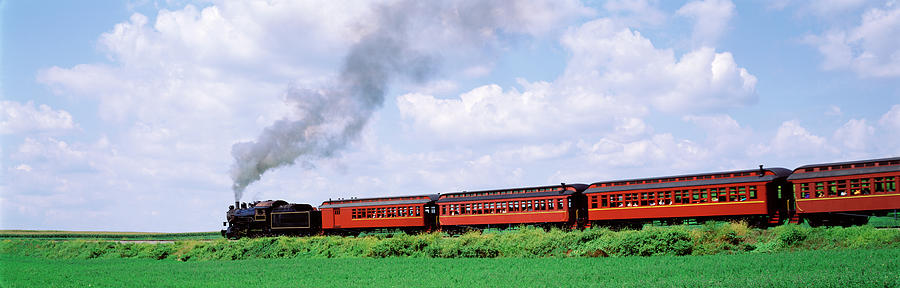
526	242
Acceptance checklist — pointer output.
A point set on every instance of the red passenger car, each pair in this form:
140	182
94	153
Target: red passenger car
753	195
551	205
401	212
846	193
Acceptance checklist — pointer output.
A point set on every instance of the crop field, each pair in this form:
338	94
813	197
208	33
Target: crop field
826	268
53	234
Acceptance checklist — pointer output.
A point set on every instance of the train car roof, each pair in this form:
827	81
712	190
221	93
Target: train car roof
848	162
777	171
893	165
374	201
578	188
269	203
507	196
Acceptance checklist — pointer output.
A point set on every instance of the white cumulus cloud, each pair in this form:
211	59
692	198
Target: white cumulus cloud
710	19
793	140
17	117
724	135
659	150
636	13
891	118
856	134
486	111
607	57
871	49
613	79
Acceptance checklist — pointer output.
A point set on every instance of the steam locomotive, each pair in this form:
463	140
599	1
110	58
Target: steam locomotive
844	193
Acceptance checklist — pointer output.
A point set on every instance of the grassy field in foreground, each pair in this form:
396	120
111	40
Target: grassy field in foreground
54	234
832	268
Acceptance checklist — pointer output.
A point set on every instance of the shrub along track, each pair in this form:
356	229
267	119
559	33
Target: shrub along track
708	239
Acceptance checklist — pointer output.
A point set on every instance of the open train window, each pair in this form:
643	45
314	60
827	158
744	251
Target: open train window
841	187
260	215
878	183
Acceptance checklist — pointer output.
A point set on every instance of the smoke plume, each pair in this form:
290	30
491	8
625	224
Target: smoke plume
327	119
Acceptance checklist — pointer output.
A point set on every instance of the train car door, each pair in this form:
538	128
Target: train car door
335	217
431	216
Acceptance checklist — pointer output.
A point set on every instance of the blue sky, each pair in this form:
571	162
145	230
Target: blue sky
122	115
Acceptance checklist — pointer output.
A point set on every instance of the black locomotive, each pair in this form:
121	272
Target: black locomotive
271	218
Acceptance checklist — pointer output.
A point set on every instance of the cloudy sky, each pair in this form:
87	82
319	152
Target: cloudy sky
144	115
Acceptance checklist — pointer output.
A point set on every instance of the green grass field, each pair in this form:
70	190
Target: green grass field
54	234
826	268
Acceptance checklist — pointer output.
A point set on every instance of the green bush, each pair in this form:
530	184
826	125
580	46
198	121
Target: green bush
523	242
650	242
791	235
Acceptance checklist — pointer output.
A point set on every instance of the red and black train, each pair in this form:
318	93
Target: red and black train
845	193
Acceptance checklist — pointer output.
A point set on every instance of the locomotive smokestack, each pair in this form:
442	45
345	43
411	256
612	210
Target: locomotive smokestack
237	204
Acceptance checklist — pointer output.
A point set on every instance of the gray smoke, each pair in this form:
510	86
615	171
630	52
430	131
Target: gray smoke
327	119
